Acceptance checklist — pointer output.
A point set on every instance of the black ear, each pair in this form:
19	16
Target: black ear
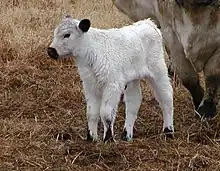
84	25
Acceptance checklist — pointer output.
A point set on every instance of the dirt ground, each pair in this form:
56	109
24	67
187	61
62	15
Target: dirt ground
42	108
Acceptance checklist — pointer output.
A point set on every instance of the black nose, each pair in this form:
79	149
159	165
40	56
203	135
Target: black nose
52	53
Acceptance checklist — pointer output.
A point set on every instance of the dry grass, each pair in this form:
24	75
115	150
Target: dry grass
42	108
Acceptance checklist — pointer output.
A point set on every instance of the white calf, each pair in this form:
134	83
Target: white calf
107	61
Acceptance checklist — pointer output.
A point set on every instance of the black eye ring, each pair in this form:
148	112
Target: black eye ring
67	35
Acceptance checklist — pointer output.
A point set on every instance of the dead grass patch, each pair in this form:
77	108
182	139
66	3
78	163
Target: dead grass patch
42	108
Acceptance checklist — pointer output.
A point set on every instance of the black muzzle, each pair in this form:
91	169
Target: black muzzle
52	53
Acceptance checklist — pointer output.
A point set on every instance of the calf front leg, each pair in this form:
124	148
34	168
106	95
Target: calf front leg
133	98
93	102
110	100
93	108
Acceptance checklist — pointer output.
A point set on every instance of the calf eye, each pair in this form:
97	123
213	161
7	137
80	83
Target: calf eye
66	35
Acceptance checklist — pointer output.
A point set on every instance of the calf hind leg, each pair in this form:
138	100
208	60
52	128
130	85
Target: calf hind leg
163	93
133	98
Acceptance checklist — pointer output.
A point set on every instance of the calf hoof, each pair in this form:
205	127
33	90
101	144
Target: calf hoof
90	137
108	136
207	110
125	137
168	132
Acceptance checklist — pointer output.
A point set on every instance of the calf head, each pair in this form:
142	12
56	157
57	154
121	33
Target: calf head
67	37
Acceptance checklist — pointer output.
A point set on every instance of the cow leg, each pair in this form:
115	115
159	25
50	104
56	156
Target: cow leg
188	76
190	80
207	107
182	66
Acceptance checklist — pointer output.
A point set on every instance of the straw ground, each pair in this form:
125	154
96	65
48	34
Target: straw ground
42	108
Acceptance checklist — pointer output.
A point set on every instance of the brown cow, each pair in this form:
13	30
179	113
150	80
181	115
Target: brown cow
191	31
